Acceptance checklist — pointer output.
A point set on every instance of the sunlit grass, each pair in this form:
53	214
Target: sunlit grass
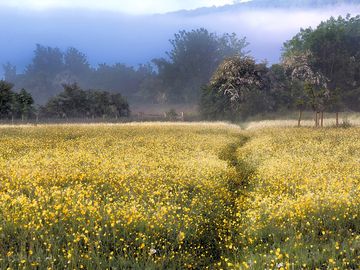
179	196
290	119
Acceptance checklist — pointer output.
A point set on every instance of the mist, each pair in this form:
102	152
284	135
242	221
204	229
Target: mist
111	37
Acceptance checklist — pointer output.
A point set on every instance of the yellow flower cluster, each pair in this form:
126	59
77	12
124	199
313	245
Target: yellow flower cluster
179	196
303	205
113	196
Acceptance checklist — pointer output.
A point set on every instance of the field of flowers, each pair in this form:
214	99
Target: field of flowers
179	196
138	196
302	208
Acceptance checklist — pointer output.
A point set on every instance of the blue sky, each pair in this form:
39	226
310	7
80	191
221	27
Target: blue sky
125	6
107	37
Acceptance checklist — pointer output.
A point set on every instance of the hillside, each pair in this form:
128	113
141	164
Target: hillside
269	4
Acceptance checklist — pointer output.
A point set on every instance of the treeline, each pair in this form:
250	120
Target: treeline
51	68
13	104
319	71
176	79
73	102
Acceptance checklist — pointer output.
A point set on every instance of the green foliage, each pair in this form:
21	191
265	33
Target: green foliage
332	51
195	55
238	88
5	99
51	68
76	62
15	105
47	60
191	61
74	102
214	105
280	87
171	114
23	105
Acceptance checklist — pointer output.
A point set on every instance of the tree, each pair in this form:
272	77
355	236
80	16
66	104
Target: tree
72	102
280	87
41	76
149	85
214	105
335	103
315	84
238	87
116	78
46	60
5	99
76	62
15	105
193	58
333	51
75	102
22	105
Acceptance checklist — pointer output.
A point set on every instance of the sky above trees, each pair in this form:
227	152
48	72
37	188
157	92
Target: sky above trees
110	37
125	6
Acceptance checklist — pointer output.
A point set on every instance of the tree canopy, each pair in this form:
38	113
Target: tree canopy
238	87
194	56
75	102
13	104
329	53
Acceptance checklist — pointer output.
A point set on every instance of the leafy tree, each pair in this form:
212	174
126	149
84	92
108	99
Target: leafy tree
15	105
117	78
280	87
5	99
193	58
76	62
302	67
46	60
22	105
332	50
214	105
238	87
41	76
75	102
150	86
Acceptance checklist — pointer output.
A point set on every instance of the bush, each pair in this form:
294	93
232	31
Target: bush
74	102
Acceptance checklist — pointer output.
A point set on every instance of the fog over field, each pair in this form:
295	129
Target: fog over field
180	134
114	36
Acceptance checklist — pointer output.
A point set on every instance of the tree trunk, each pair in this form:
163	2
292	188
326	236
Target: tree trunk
322	119
337	119
316	119
300	115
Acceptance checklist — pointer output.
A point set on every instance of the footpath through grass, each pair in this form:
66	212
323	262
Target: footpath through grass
179	196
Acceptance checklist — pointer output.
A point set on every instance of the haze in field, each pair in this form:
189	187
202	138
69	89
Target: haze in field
137	32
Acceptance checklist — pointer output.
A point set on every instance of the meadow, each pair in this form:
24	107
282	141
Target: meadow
179	196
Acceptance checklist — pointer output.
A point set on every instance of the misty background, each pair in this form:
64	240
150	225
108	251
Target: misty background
134	35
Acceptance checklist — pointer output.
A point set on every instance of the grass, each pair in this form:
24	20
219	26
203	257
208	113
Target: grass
290	119
179	196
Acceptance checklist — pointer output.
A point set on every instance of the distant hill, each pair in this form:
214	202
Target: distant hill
269	4
296	3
